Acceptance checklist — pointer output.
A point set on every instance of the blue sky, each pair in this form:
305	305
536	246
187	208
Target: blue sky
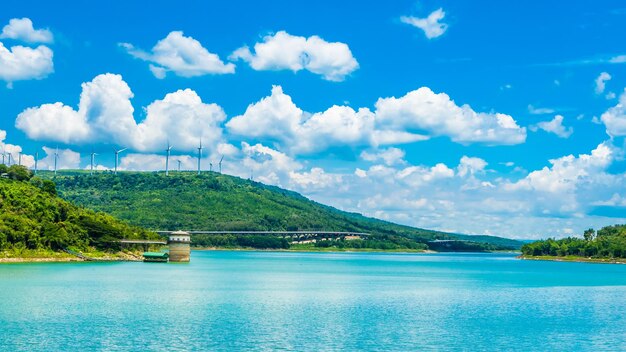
481	117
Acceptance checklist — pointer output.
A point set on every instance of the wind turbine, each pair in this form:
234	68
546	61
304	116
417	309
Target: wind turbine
210	166
199	155
93	159
36	161
56	157
9	158
117	157
221	159
19	159
3	156
178	165
167	159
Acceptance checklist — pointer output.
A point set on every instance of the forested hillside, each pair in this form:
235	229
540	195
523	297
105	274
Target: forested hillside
33	217
608	242
215	201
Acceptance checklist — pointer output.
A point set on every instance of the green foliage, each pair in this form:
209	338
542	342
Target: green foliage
609	242
18	173
33	218
231	241
215	201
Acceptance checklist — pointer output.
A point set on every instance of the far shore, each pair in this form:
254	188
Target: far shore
575	259
317	250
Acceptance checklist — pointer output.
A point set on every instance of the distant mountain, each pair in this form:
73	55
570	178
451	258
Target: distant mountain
214	201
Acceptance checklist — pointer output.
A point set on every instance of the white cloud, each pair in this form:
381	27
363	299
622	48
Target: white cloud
438	115
615	118
183	119
540	111
105	114
14	152
619	59
22	29
184	56
23	63
56	122
567	172
389	156
554	126
431	25
67	159
277	118
283	51
470	166
317	178
601	82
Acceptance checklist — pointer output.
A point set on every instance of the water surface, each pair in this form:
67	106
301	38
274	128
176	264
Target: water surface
230	301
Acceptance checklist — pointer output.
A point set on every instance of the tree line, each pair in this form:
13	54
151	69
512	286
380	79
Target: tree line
608	242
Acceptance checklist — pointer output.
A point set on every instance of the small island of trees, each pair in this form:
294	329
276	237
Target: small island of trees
605	244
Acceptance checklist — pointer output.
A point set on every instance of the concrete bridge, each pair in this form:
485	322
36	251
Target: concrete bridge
295	236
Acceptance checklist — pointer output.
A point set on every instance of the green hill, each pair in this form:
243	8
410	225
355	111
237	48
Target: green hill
215	201
33	218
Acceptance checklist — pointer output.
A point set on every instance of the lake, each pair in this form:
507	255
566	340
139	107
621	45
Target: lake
238	300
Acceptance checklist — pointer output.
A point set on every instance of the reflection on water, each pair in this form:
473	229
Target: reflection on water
315	301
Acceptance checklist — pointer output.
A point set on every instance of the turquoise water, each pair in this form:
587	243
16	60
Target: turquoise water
230	301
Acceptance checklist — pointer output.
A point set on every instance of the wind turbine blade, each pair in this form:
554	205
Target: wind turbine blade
121	150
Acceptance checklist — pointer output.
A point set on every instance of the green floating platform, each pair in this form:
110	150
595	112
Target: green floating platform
157	257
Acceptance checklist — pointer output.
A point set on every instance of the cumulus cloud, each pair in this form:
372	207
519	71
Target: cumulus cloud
431	25
105	114
67	159
183	119
615	118
601	82
184	56
554	126
277	118
422	110
567	172
23	63
283	51
389	156
22	29
313	180
470	166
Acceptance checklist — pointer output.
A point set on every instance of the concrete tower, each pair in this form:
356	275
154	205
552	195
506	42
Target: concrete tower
180	246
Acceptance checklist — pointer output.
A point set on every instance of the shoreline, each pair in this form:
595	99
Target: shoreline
62	257
575	259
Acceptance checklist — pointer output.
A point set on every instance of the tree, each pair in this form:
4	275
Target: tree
19	173
589	234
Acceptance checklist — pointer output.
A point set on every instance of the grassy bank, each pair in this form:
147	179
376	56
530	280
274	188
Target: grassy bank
47	255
